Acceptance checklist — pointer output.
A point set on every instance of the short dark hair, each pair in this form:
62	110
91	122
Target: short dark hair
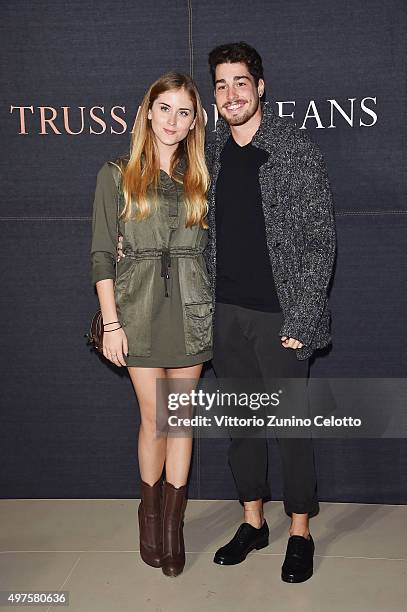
237	52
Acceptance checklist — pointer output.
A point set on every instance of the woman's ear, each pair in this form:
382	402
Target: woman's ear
191	127
149	115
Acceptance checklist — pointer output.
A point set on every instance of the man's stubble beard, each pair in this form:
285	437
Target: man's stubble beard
241	120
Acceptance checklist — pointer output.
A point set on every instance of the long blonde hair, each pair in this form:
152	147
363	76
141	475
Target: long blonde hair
138	176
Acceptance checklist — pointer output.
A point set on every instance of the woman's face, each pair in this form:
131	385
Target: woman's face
172	116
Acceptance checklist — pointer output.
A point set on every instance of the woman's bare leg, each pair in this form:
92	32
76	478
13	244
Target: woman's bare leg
151	449
179	447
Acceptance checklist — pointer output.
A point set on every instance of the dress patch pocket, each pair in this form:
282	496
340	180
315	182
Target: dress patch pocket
121	285
198	327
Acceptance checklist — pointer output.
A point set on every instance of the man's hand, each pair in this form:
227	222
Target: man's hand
291	342
120	248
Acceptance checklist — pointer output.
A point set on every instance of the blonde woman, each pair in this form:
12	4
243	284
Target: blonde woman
158	316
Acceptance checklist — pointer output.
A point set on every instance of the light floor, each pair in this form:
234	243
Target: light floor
90	548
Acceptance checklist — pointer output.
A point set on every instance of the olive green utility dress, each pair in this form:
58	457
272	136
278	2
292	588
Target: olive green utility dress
163	294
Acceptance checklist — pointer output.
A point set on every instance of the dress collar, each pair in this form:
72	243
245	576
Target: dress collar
179	170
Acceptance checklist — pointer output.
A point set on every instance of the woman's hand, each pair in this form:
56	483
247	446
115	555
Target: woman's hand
290	342
120	248
115	346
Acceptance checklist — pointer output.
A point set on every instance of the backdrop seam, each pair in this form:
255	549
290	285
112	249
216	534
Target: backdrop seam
190	40
344	213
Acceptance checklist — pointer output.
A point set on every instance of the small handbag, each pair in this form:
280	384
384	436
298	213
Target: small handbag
95	333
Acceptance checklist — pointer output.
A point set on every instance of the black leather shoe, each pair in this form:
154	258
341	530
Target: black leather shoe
246	539
298	564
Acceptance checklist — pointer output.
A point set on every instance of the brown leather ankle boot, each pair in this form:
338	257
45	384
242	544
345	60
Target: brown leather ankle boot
150	523
174	503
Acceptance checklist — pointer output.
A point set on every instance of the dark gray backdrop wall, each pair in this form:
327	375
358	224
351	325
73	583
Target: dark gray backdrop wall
69	420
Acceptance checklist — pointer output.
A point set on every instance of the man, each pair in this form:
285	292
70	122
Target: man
270	256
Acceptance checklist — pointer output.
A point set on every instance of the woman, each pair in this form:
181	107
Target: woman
158	315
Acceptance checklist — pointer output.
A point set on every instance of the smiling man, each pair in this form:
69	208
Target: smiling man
270	256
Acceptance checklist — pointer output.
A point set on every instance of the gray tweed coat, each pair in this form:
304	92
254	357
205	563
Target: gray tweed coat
300	225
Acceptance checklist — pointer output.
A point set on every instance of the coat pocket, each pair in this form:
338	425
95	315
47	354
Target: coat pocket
198	327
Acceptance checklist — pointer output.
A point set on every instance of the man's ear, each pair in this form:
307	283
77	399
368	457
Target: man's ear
260	87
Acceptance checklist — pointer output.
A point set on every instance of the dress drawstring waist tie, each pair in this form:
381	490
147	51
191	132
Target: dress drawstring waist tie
165	254
165	268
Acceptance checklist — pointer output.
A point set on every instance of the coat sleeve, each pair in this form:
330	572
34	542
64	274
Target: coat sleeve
104	228
319	234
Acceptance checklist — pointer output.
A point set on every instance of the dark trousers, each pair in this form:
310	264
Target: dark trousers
247	345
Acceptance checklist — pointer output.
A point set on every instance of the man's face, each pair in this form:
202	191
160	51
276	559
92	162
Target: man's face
236	94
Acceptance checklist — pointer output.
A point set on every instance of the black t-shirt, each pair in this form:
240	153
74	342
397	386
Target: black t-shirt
244	273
